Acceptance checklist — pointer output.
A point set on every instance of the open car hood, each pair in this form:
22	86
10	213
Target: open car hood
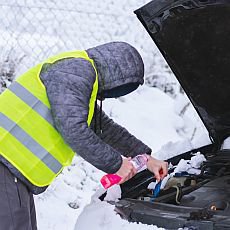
193	36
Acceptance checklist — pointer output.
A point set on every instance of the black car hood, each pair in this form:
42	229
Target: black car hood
194	38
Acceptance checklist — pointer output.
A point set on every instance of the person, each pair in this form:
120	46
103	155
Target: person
50	113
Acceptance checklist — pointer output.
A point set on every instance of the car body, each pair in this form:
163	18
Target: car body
193	36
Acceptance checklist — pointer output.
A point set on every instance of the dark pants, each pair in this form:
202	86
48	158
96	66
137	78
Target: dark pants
17	210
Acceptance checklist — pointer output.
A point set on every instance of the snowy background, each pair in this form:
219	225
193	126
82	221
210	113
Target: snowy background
158	113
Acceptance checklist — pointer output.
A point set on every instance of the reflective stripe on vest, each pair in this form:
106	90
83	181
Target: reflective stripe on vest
28	139
30	143
31	101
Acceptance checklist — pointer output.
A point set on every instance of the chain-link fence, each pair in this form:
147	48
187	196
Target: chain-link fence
32	30
36	29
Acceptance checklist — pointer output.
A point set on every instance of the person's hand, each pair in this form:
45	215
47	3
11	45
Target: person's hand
158	167
126	171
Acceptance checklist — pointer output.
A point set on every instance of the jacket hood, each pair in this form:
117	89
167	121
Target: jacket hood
120	68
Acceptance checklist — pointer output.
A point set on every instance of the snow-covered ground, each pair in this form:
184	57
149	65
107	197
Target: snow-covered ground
149	114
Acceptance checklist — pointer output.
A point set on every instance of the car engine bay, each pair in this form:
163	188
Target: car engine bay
186	199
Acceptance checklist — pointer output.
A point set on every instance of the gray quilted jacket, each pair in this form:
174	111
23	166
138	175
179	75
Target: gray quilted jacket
69	84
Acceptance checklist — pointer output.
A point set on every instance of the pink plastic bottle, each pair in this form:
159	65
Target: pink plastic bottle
139	162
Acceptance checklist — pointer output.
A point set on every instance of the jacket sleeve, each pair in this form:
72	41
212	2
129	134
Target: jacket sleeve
69	86
118	137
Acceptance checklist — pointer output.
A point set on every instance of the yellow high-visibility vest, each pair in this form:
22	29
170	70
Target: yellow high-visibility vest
28	138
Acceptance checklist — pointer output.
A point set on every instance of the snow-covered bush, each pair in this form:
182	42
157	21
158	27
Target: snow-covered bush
160	75
9	62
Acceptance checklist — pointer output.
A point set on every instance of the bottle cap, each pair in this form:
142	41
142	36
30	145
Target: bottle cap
109	180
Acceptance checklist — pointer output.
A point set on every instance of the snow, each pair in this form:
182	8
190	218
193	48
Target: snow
113	193
226	143
197	160
191	166
105	218
146	107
